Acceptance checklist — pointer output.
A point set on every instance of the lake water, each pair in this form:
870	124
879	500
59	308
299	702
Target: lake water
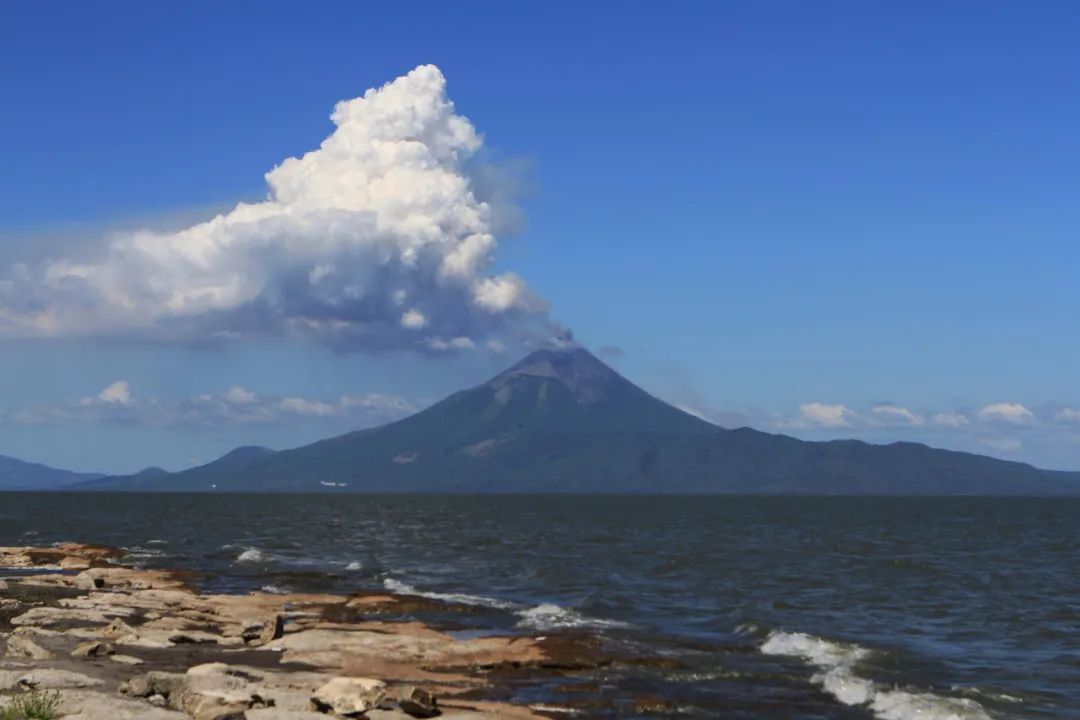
900	609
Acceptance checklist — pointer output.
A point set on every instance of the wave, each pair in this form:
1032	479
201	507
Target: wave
252	555
836	663
396	586
274	590
549	616
544	617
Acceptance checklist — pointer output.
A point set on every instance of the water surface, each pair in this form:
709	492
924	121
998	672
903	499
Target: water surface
936	609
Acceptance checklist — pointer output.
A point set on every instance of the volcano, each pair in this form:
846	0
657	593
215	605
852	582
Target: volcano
562	421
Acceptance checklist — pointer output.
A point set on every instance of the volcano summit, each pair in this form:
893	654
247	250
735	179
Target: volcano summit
561	421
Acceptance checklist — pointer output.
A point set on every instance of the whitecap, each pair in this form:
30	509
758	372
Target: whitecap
901	705
251	555
354	566
274	590
549	616
836	663
401	588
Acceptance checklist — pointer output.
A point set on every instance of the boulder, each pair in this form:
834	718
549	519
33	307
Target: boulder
349	696
264	630
215	692
417	702
21	646
206	692
93	650
153	683
121	631
89	581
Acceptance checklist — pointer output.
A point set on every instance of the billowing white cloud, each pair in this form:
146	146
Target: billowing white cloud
1012	413
951	420
381	238
822	415
897	415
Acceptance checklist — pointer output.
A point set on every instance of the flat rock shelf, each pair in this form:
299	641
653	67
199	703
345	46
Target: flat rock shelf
105	642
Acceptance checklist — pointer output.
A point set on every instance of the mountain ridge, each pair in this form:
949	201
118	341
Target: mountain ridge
18	474
562	421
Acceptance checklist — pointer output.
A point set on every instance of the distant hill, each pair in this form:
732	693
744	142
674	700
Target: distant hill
21	475
561	421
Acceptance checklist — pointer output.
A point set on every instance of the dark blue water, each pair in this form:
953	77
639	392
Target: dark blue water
936	609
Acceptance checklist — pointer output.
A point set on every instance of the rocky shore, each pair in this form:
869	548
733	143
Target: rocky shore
99	641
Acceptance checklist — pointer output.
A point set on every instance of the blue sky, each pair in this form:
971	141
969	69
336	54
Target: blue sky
831	220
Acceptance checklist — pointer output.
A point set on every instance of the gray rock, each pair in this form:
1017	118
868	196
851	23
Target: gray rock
417	702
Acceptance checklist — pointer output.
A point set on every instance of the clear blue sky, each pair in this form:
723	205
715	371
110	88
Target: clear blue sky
772	209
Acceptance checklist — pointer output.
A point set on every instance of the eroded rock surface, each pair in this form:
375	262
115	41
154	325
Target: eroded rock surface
117	642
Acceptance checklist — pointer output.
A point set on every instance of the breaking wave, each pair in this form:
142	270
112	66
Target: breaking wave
252	555
549	616
274	590
396	586
836	664
544	617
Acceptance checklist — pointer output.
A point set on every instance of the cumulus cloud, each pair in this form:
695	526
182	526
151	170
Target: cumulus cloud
1011	413
896	415
382	238
822	415
118	392
951	420
1069	415
118	404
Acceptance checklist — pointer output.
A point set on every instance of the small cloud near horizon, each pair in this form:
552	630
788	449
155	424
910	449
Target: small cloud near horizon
117	404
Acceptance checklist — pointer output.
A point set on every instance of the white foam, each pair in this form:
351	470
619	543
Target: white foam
901	705
396	586
251	555
354	566
274	590
553	617
837	662
547	616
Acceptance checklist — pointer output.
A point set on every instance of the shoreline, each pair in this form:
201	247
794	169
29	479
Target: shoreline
117	642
